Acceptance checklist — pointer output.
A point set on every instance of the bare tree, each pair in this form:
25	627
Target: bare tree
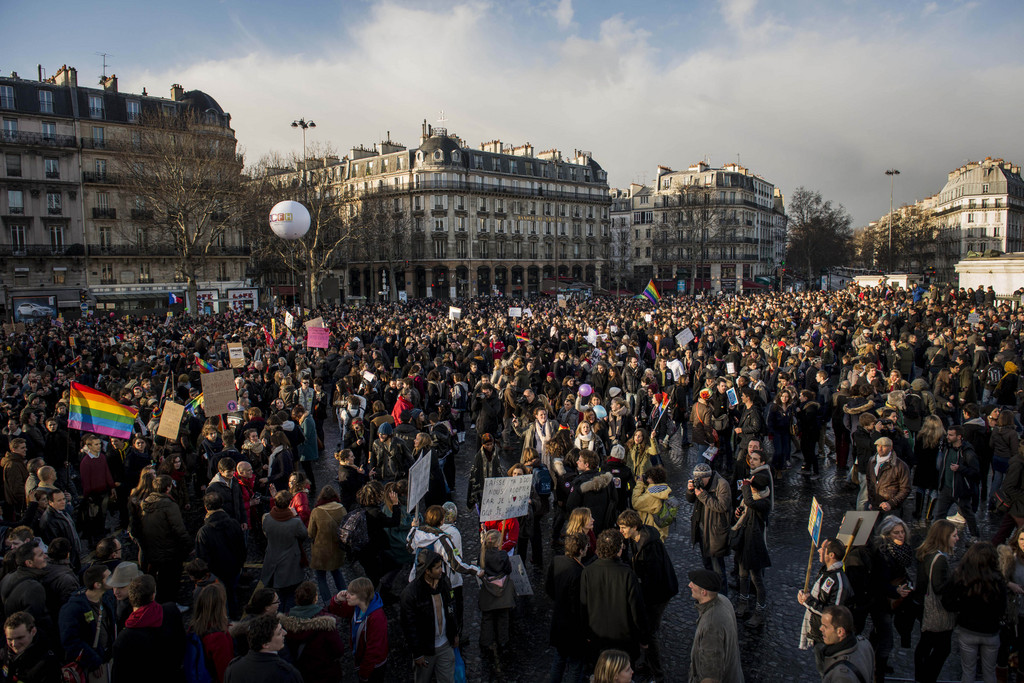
184	174
819	234
699	222
383	235
912	247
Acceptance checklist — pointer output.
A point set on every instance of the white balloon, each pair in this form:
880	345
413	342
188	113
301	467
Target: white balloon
289	220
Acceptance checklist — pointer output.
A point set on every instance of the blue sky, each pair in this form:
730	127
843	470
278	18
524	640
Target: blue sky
824	94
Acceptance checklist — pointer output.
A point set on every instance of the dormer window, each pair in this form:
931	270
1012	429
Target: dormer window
419	157
455	157
438	155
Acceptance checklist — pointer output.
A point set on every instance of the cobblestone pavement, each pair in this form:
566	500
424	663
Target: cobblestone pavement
769	654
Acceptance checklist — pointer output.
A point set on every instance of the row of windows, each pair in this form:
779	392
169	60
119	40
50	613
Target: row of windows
502	250
516	207
514	227
97	109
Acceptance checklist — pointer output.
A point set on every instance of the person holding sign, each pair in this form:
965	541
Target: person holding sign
832	587
749	538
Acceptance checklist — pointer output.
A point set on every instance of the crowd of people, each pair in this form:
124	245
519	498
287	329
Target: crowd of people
241	551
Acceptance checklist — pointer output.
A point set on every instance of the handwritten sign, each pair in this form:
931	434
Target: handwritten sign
520	580
236	353
505	497
684	337
515	312
454	313
219	395
419	479
289	319
814	523
528	313
170	420
318	338
315	322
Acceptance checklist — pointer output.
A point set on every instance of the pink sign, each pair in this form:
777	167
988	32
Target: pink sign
317	337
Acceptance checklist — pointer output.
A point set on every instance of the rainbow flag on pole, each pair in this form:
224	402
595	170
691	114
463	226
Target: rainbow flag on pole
522	338
204	367
94	411
650	293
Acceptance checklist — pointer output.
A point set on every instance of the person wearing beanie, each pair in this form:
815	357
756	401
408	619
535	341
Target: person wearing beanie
389	457
715	654
711	498
622	476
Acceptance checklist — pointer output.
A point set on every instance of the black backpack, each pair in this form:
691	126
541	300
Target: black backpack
353	534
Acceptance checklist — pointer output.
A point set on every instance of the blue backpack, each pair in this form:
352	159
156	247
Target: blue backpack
542	480
196	670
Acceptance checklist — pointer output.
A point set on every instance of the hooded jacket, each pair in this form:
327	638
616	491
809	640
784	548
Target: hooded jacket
324	520
164	537
369	633
595	490
647	501
78	629
15	476
230	492
417	615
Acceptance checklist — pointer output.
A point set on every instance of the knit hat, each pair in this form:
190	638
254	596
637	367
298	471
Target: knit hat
706	579
702	470
617	453
386	429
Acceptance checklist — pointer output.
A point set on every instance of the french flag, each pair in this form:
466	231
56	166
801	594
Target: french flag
172	299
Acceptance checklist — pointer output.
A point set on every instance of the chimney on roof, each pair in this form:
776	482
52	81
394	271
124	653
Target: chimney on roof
177	91
66	76
109	83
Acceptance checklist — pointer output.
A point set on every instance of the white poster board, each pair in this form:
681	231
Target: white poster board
236	353
505	497
515	312
684	337
454	313
519	578
289	319
419	479
403	296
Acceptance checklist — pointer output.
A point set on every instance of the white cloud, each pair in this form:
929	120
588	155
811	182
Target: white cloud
563	14
826	109
737	12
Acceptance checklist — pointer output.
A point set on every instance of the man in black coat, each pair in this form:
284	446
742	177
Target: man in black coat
22	590
221	542
486	409
230	491
613	604
152	644
165	542
262	664
568	626
645	553
57	523
26	658
594	489
428	616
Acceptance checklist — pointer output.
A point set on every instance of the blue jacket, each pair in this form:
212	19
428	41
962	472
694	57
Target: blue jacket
310	448
78	629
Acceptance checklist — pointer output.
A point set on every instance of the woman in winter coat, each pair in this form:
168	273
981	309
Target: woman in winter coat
210	623
280	463
1011	564
309	449
282	564
640	451
891	559
751	544
977	594
487	464
926	473
933	575
808	422
1004	443
588	440
298	486
780	418
312	637
497	595
375	561
649	494
326	555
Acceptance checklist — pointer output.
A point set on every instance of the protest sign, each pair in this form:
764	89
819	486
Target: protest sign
236	353
419	479
515	312
454	313
170	420
520	580
289	319
684	337
315	322
505	497
318	338
219	395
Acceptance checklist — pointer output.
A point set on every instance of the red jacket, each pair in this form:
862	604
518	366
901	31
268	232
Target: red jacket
220	649
300	503
95	473
401	405
371	649
509	529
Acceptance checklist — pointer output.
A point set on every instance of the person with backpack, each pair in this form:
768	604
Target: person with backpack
540	505
361	604
645	552
431	534
846	657
653	501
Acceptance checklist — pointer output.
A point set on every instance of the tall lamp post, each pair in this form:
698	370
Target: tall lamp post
892	173
303	124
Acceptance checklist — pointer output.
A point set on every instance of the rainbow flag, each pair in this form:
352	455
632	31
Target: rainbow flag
663	404
522	338
650	293
194	403
205	367
75	361
94	411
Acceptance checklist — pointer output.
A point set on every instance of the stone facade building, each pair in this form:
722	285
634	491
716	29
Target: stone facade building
69	231
719	229
465	222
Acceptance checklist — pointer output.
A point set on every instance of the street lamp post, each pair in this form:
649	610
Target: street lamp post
892	173
303	124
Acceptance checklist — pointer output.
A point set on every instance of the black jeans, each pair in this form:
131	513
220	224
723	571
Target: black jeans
963	505
930	654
